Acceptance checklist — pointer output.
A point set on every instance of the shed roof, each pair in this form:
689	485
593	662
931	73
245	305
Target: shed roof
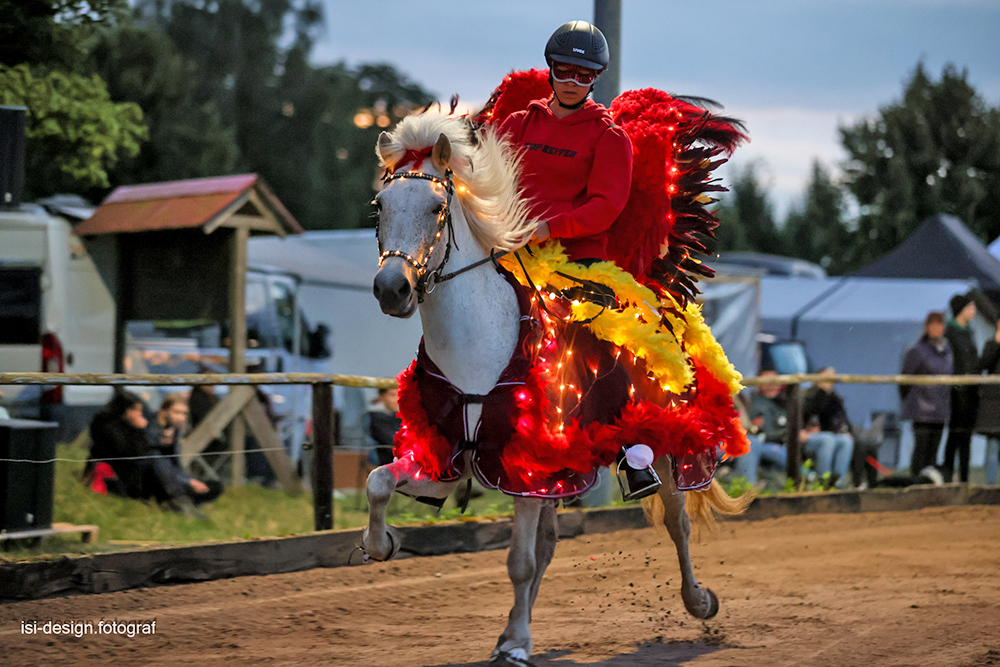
207	203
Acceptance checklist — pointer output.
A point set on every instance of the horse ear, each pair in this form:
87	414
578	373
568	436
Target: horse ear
384	140
441	155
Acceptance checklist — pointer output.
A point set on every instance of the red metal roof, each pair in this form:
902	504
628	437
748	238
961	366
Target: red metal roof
179	205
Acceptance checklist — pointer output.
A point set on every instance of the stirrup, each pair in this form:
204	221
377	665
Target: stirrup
641	482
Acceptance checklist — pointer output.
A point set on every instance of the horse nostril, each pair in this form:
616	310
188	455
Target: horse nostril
391	289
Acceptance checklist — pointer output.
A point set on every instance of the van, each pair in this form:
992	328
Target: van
57	311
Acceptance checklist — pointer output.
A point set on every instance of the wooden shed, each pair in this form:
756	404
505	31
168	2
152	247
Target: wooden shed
181	254
182	250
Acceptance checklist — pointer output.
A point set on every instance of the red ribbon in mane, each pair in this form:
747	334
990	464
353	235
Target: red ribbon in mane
414	157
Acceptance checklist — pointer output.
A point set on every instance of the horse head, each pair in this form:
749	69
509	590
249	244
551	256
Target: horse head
414	210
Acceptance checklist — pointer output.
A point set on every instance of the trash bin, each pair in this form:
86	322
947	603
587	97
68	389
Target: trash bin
27	474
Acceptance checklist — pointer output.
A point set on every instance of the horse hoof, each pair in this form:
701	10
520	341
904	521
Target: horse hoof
394	544
713	607
510	660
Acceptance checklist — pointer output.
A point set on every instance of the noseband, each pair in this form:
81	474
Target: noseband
427	278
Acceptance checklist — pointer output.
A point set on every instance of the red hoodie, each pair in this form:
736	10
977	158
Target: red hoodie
576	171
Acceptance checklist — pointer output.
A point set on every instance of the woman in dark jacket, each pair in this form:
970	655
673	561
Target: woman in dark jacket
988	419
928	406
118	432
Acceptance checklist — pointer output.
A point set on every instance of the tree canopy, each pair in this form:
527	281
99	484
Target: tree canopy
937	150
76	132
178	89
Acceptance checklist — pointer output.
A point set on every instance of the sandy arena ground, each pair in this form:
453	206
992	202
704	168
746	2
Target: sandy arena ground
908	588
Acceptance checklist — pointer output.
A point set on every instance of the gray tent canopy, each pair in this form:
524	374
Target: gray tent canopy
942	248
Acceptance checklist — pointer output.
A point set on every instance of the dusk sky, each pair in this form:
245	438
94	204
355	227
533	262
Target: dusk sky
793	70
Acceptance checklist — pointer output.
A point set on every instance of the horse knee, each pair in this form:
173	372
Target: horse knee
380	485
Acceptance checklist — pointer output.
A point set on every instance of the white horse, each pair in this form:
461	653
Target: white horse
470	327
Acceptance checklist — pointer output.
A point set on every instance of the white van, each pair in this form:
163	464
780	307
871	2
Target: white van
57	310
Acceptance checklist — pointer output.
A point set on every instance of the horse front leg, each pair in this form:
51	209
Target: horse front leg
524	567
700	602
545	544
380	541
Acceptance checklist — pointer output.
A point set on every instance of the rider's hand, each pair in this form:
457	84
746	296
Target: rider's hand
541	234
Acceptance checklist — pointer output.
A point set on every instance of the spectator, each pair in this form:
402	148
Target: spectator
988	418
768	430
827	437
383	422
123	461
964	398
927	406
164	434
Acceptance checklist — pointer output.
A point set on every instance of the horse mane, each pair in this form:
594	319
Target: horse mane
486	170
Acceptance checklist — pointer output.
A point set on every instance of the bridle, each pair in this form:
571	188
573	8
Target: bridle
427	278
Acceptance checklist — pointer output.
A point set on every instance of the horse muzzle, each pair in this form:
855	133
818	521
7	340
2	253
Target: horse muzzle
395	289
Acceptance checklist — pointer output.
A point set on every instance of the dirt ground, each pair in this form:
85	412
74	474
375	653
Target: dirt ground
908	588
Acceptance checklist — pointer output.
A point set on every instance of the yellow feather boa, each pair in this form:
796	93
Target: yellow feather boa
635	325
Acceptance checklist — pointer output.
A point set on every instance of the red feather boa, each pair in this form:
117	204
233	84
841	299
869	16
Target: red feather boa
540	447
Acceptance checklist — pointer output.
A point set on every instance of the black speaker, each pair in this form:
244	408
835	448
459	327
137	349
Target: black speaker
13	122
27	474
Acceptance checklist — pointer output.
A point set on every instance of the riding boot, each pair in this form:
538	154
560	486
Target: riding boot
640	477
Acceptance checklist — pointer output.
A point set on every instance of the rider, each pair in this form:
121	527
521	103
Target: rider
577	170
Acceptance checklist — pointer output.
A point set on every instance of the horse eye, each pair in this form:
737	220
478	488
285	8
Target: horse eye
439	208
377	204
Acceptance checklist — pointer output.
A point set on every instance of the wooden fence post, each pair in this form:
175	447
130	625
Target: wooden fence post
793	413
322	469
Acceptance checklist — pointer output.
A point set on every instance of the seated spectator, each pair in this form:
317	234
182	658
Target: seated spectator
767	432
827	438
164	435
383	422
123	459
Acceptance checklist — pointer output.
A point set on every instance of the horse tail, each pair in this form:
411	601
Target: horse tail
701	506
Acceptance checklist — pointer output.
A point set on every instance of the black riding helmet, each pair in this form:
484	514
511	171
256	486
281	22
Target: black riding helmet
578	43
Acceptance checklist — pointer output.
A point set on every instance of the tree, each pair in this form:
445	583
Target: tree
935	151
816	231
75	131
187	139
310	132
747	218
